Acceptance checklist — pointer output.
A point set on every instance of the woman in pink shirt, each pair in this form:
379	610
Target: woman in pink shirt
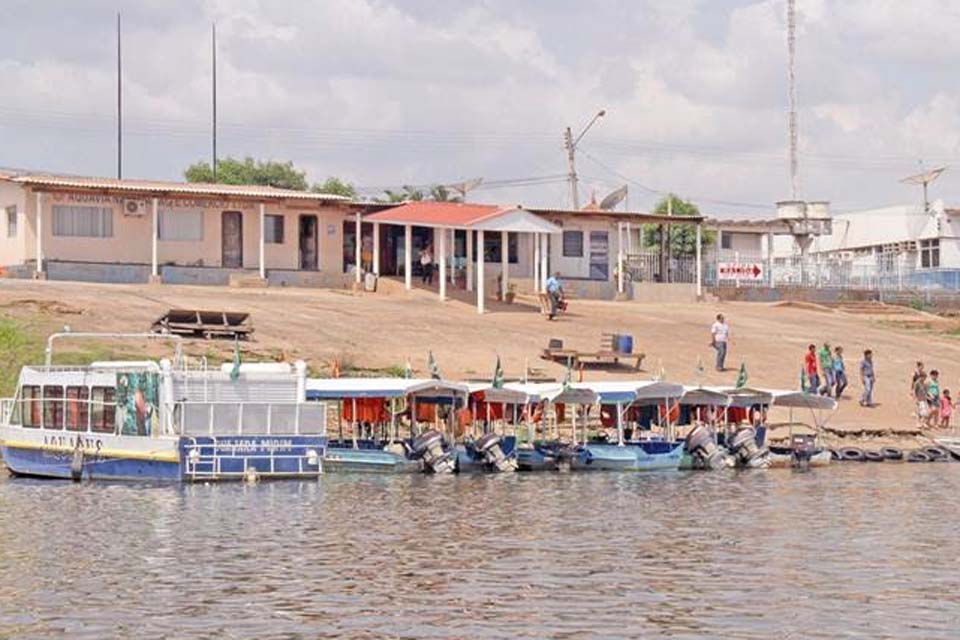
946	409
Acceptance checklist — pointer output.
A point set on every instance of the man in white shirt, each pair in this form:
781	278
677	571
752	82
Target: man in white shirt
720	333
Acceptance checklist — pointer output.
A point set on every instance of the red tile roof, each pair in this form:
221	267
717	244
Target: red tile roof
437	214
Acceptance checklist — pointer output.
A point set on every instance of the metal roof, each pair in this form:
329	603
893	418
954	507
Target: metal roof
459	215
165	188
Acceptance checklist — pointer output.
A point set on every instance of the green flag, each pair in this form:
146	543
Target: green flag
742	377
235	371
699	371
434	369
497	375
408	370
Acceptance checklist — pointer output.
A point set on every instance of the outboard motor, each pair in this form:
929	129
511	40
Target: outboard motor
704	450
488	446
429	448
747	453
804	447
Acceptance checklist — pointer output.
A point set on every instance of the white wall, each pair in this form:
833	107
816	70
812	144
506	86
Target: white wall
13	250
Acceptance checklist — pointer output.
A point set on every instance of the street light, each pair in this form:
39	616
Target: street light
571	145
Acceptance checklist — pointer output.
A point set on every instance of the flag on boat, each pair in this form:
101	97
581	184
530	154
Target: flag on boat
699	371
742	377
497	375
661	373
434	369
235	371
804	383
335	369
408	370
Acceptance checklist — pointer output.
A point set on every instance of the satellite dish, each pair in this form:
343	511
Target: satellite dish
924	179
463	188
614	198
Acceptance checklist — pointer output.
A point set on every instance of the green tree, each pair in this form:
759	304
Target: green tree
408	194
442	193
337	187
282	175
682	237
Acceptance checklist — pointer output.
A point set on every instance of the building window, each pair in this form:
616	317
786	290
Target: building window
273	229
180	226
726	241
491	247
12	221
930	254
573	244
81	221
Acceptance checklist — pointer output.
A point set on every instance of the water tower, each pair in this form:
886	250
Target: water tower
806	220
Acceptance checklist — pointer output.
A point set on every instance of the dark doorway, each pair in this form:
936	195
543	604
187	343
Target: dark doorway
231	239
309	241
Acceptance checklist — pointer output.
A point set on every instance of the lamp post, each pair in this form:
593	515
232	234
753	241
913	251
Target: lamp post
571	145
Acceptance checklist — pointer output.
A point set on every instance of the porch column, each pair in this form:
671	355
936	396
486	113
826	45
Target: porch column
504	263
376	248
536	262
154	269
544	250
770	259
39	269
407	259
357	248
263	231
469	234
699	243
620	257
480	283
442	259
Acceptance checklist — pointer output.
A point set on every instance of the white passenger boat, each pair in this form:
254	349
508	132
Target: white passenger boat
136	420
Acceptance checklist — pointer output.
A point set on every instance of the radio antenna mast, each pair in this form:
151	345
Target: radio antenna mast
792	82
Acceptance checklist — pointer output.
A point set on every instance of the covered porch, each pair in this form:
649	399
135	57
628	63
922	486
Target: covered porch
459	234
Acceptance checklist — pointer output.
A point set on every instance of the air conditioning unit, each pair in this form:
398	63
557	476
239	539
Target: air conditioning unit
134	207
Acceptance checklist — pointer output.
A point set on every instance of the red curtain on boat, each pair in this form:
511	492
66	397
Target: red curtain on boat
671	411
496	410
561	411
426	412
368	410
736	415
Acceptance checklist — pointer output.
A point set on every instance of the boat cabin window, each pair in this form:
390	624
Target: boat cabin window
78	408
103	410
30	400
52	407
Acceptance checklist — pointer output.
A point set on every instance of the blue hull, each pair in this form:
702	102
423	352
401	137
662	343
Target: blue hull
652	456
367	461
469	461
45	464
539	458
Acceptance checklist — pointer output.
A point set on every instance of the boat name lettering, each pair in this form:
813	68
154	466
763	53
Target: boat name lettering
73	442
252	446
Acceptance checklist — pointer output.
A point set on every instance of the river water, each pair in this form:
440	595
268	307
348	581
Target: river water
868	550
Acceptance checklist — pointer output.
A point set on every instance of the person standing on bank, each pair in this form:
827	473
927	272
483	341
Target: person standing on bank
868	378
825	356
810	369
720	337
426	265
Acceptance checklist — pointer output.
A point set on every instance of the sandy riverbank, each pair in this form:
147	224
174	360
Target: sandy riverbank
370	332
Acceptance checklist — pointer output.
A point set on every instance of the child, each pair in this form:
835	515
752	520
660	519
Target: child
946	409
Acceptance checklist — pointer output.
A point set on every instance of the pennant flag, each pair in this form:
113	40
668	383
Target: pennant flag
580	373
700	370
335	370
662	373
434	369
804	384
235	371
569	375
408	370
498	375
742	377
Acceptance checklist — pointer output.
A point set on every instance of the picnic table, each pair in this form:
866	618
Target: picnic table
607	353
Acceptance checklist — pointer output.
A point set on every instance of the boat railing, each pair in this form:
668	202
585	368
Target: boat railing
249	418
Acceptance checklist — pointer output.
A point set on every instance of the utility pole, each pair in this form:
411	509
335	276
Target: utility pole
665	243
214	46
572	176
570	144
119	108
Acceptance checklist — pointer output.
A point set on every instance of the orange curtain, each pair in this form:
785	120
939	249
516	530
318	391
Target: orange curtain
368	410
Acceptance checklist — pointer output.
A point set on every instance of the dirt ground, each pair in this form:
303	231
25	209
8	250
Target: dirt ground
371	332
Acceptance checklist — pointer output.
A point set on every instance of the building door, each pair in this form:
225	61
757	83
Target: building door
309	241
231	240
599	255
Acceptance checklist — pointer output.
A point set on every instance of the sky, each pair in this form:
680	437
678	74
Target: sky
383	93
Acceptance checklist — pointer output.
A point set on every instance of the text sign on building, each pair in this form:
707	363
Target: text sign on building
740	271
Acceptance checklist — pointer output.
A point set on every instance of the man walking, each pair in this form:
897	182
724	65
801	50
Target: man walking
555	292
839	371
867	378
720	335
825	356
810	368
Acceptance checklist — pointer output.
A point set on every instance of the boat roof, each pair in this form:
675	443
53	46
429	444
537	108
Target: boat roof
630	391
783	398
339	388
725	396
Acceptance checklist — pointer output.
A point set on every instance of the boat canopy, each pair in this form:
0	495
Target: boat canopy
725	396
630	392
340	388
801	399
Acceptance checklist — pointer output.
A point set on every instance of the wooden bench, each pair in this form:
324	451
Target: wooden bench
606	354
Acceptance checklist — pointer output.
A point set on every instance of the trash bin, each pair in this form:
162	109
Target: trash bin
623	343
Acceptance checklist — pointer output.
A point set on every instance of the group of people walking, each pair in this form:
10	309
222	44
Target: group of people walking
825	372
934	405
